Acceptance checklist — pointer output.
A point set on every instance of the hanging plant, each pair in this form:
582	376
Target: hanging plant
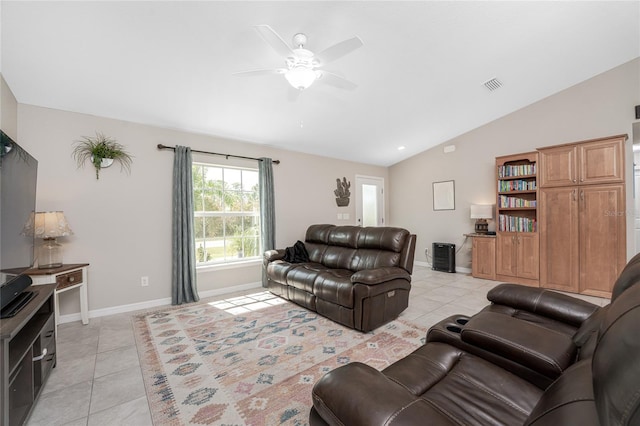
102	151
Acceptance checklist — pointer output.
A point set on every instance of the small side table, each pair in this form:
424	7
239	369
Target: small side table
68	277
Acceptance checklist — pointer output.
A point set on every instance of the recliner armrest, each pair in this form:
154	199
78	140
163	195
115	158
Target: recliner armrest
271	255
379	275
561	307
541	349
381	402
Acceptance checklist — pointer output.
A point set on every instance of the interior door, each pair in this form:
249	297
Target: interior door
369	201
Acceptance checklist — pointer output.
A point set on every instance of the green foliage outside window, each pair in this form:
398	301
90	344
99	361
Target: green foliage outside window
226	213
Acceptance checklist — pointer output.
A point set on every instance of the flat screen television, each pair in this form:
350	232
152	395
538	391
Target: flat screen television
18	179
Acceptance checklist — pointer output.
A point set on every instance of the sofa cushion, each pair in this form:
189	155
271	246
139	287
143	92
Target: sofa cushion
569	397
318	233
543	302
372	259
303	275
338	257
334	285
382	238
539	348
344	236
436	384
278	269
315	251
527	316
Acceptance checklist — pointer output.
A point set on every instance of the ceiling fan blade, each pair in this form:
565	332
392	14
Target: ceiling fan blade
339	50
274	40
260	72
337	80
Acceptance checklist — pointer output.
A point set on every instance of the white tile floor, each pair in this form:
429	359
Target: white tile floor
98	380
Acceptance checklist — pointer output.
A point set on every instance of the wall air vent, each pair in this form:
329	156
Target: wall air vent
493	84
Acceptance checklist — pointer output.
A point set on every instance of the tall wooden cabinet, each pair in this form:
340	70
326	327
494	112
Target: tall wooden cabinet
582	216
517	242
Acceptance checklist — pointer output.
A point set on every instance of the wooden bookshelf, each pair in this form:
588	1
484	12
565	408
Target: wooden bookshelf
517	242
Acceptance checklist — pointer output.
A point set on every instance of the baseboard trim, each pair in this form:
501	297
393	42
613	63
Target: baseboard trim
428	265
154	303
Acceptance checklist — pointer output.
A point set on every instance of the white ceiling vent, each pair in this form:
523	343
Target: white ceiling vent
493	84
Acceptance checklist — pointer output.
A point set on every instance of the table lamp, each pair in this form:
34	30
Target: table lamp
481	212
49	226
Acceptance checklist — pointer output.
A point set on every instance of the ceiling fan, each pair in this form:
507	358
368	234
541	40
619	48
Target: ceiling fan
303	67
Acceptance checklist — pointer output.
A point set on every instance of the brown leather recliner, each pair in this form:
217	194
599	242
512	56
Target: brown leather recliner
358	277
533	332
439	384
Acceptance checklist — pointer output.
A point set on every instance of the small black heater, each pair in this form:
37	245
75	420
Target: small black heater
444	257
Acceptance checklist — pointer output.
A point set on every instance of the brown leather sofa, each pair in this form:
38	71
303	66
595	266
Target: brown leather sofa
440	384
358	277
533	332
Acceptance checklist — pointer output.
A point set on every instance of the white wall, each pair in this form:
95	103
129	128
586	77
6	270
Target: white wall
8	111
122	223
601	106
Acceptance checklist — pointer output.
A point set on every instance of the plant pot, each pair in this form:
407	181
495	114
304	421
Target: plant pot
342	201
105	162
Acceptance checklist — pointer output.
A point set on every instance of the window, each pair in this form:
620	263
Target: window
226	214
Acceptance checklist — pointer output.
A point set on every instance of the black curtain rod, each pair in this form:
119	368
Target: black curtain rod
160	146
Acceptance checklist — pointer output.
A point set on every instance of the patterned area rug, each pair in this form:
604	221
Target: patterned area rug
251	360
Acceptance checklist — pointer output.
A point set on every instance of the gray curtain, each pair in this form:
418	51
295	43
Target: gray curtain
267	209
183	281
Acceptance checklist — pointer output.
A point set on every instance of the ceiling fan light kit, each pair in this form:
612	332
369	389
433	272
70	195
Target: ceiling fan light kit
302	64
301	78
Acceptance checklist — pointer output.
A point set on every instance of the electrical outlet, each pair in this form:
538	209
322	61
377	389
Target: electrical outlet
144	281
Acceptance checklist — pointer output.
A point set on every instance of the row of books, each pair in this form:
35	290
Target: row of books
508	223
511	202
517	170
516	185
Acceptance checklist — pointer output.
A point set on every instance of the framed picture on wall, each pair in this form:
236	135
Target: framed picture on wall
444	195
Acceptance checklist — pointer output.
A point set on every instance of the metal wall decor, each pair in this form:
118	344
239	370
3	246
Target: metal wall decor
342	192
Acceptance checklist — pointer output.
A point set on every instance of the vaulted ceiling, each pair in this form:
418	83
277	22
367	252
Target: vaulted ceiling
420	73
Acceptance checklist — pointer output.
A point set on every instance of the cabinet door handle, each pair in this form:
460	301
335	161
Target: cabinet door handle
39	358
71	279
573	194
581	195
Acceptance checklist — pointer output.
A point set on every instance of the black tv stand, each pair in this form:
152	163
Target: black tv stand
28	353
17	304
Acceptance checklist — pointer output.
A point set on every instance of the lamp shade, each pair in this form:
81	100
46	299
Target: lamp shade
481	211
48	225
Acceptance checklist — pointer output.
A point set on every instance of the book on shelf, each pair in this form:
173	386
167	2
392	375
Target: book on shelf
507	223
516	185
517	170
513	202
